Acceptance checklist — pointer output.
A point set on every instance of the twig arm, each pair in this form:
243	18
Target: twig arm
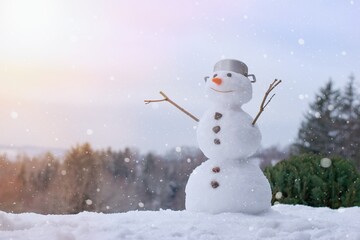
166	98
264	103
160	100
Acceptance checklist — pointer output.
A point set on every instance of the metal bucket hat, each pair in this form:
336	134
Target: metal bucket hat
233	66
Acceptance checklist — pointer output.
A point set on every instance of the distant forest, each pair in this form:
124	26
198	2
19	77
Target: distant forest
101	180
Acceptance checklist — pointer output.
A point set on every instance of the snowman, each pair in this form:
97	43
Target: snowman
227	135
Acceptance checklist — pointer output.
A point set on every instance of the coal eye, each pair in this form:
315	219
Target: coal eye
229	75
206	78
215	75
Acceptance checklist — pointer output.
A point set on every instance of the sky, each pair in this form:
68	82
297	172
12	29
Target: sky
79	71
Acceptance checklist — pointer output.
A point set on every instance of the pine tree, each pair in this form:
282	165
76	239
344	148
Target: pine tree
83	176
332	126
350	122
152	173
319	133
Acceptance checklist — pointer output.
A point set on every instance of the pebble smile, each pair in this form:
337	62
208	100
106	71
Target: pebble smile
229	91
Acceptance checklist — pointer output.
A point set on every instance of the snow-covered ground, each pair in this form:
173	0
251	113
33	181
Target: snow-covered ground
282	222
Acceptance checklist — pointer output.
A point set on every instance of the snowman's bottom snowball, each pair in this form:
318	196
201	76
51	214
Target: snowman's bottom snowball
242	187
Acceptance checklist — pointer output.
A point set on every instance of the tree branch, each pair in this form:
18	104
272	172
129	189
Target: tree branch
173	103
264	103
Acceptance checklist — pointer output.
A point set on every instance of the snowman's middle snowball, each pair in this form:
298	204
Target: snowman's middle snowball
230	136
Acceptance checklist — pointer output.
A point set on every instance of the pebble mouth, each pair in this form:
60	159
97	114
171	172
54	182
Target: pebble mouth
229	91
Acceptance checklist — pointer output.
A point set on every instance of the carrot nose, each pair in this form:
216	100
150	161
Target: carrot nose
217	81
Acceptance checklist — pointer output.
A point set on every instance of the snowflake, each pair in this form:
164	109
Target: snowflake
89	132
14	115
278	195
325	162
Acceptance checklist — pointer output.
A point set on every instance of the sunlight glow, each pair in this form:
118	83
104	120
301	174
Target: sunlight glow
28	26
28	17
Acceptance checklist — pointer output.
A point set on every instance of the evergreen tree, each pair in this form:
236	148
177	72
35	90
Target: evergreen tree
332	125
350	123
152	173
320	132
82	175
312	180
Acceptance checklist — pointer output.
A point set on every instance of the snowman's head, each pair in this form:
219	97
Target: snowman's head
229	84
228	88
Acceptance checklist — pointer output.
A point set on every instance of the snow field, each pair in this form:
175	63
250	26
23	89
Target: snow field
281	222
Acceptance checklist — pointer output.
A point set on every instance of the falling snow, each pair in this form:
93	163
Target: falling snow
331	107
303	96
89	132
14	115
317	115
278	195
325	162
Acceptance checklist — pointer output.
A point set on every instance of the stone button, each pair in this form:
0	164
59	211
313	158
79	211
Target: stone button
217	141
216	129
215	184
217	116
216	169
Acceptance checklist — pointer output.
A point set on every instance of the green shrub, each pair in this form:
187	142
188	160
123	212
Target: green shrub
315	181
